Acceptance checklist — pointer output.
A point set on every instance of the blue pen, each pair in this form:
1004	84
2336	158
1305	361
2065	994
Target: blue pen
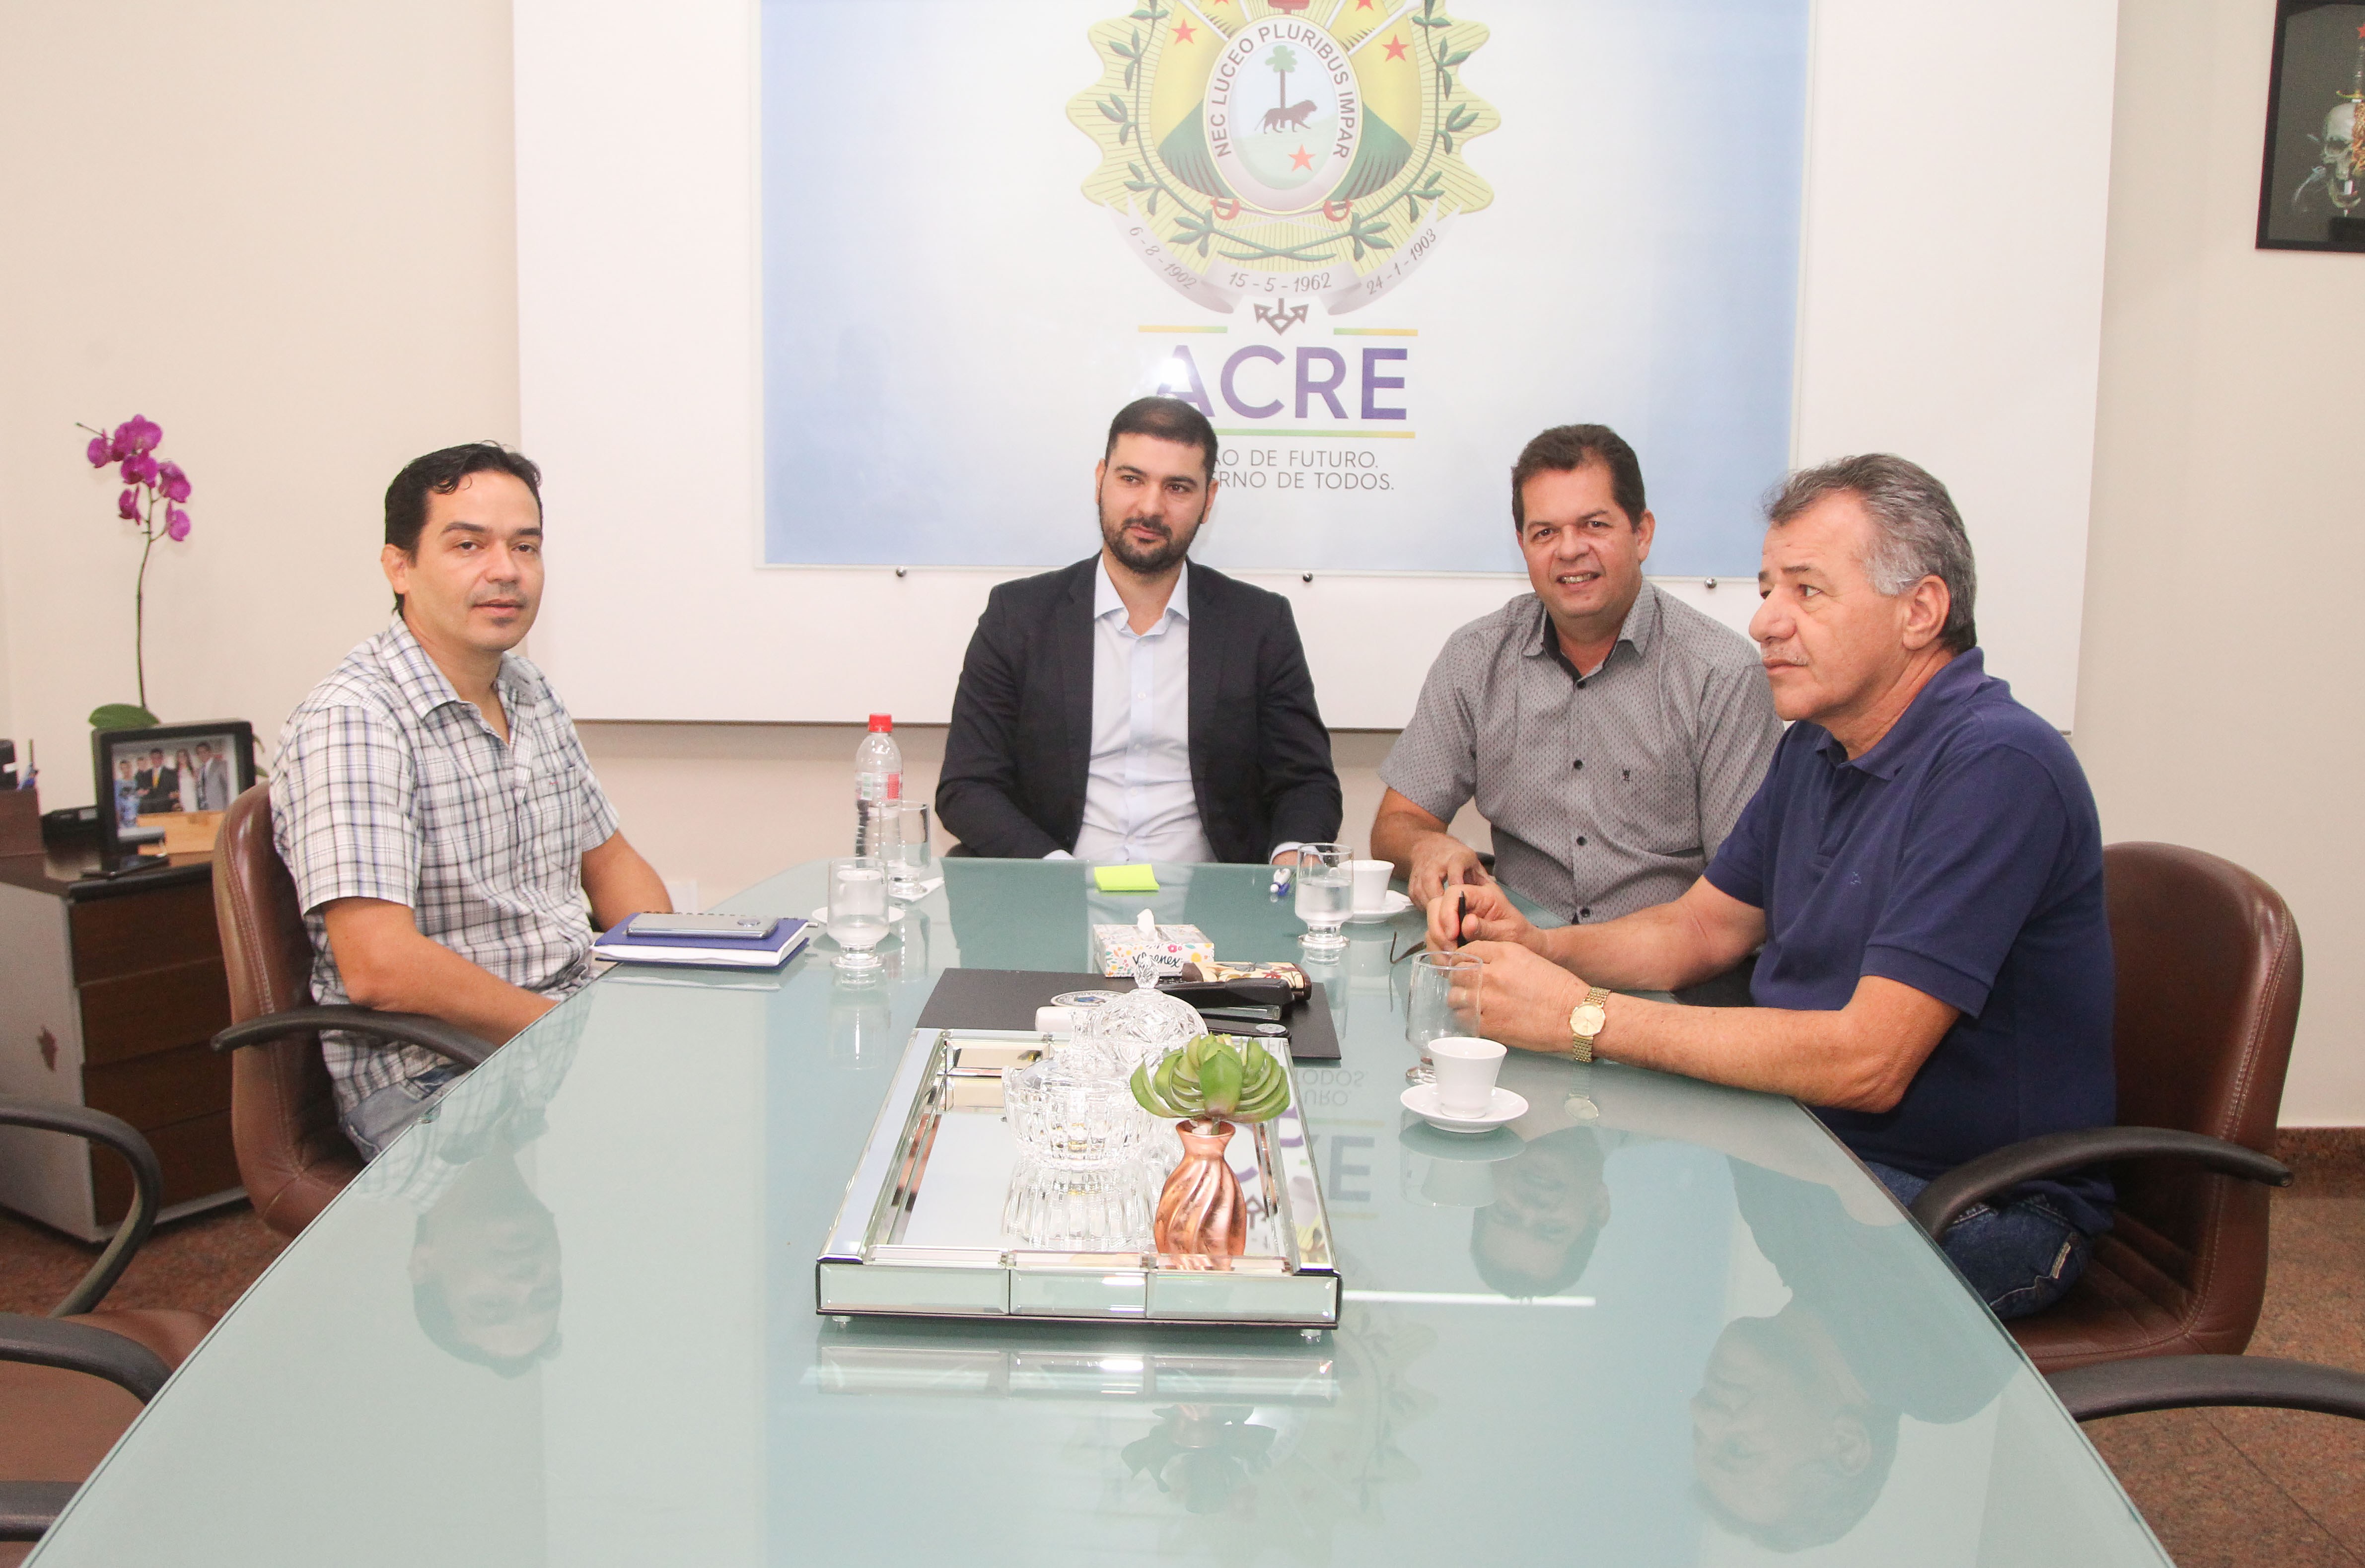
1280	883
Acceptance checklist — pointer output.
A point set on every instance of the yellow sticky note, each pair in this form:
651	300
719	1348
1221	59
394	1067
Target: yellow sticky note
1125	878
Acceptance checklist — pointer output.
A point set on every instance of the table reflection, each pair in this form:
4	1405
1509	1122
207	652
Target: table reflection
1550	1205
485	1280
862	1017
1795	1425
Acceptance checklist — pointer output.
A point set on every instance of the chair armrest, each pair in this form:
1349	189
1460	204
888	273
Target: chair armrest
28	1509
402	1028
147	1187
78	1347
1943	1200
2178	1382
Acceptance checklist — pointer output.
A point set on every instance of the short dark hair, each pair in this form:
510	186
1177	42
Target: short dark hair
1916	531
1564	449
1168	418
439	473
435	1320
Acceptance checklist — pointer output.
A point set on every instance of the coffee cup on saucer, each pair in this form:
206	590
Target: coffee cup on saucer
1467	1071
1371	885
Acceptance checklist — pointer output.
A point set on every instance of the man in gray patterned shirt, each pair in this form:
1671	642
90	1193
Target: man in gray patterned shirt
1609	732
433	805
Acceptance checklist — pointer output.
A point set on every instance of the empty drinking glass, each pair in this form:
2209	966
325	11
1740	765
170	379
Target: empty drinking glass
1326	895
857	911
910	858
1444	1003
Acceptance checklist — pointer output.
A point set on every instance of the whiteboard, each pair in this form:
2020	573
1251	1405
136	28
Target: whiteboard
1949	308
986	227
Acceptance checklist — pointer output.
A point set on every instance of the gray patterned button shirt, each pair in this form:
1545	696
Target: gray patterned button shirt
390	785
1608	792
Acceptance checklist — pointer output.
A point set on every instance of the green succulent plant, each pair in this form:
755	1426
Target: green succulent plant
1216	1077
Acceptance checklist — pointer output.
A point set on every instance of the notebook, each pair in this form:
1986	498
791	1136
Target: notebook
769	952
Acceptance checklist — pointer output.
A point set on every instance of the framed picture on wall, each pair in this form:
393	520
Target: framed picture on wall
2312	191
165	788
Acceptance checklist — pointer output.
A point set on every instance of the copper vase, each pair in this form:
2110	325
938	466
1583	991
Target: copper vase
1201	1212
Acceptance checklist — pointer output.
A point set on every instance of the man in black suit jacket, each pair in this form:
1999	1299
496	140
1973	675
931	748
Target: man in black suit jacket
1077	730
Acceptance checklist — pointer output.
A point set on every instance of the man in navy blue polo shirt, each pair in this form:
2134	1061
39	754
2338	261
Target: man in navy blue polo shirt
1923	867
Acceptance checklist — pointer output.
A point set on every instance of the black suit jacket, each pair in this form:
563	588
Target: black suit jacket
1019	753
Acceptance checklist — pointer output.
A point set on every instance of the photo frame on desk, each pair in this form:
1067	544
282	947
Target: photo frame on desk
168	787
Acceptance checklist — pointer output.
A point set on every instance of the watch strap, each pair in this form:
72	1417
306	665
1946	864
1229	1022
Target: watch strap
1585	1022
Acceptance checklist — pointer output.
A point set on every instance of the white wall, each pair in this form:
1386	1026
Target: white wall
2218	704
283	231
311	280
1958	178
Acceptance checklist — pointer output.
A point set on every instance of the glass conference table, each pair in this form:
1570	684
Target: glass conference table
571	1321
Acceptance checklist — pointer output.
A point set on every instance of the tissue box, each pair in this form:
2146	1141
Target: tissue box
1115	947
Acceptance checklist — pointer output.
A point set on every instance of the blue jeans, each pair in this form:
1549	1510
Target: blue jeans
2020	1257
385	1114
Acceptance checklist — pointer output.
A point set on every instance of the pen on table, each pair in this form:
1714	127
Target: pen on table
1280	882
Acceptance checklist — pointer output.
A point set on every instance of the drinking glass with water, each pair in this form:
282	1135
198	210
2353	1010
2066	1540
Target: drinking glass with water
1434	1011
1326	895
910	856
857	911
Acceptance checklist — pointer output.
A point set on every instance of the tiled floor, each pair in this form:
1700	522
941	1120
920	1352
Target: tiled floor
2269	1486
202	1263
2221	1487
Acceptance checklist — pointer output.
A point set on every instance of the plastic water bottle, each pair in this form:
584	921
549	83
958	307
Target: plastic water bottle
878	776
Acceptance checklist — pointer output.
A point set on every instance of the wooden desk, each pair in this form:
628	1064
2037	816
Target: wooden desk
111	990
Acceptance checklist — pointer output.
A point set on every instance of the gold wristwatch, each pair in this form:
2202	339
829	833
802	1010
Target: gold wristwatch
1584	1021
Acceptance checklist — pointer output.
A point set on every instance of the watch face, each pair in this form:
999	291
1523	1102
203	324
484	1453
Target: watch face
1588	1021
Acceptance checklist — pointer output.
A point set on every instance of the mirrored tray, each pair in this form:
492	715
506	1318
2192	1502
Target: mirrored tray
945	1218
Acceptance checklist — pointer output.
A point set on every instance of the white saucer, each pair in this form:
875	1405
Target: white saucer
821	917
1397	903
1421	1101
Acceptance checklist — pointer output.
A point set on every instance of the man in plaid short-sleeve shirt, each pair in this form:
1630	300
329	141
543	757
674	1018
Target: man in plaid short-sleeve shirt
434	805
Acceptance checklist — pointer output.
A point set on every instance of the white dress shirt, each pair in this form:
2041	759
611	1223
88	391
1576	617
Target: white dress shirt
1138	803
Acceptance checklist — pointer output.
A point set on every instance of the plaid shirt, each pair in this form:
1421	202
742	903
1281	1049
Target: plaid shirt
390	785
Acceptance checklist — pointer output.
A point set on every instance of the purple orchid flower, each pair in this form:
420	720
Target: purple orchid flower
139	469
175	482
176	524
136	436
101	452
127	506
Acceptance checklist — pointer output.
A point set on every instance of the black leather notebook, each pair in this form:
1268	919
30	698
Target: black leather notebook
1006	999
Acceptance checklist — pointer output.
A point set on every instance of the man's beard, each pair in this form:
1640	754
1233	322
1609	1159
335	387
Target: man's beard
1152	560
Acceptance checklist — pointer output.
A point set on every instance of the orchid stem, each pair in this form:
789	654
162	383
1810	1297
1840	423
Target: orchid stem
140	603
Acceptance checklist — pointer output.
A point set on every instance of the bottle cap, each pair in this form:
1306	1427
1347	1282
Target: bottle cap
882	721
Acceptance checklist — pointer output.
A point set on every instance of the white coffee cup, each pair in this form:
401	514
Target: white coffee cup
1371	885
1466	1070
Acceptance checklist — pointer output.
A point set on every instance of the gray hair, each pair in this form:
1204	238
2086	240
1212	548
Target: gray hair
1917	532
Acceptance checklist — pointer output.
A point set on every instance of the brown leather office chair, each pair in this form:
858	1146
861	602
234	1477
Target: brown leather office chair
71	1381
291	1154
2208	962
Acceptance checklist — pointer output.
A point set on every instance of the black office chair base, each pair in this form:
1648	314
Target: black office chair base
2181	1383
28	1509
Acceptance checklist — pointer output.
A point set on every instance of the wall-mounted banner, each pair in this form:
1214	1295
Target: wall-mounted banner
1379	243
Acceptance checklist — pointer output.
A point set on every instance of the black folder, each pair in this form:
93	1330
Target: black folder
1006	999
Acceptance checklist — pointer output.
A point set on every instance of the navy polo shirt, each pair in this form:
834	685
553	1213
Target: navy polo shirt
1960	855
